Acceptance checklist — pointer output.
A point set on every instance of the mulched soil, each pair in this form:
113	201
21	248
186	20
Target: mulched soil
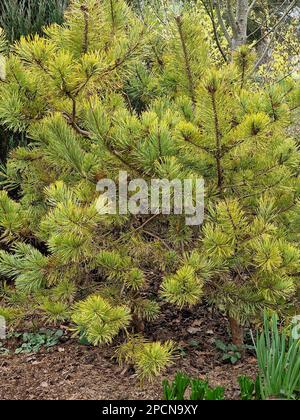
71	371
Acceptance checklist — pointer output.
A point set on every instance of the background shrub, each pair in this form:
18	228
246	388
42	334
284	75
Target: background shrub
25	17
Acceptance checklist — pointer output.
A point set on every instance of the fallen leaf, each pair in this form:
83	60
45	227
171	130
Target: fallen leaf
193	330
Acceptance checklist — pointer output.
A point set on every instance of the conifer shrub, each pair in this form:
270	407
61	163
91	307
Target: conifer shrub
107	92
20	18
149	358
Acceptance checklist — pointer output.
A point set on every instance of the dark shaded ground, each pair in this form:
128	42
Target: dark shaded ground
71	372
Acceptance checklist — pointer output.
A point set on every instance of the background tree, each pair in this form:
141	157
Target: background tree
257	22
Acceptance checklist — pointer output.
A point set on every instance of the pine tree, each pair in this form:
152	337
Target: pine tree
156	103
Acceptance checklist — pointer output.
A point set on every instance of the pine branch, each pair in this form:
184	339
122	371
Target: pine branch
178	20
110	149
74	125
198	146
119	62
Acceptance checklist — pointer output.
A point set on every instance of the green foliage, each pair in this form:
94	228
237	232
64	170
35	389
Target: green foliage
12	217
230	352
21	18
152	358
184	288
198	390
250	390
26	265
3	47
120	268
278	362
3	350
98	321
54	312
64	292
34	342
11	315
202	391
278	357
149	359
176	390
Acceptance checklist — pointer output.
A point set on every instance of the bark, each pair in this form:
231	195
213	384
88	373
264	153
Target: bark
3	145
240	33
238	22
234	14
138	325
218	154
237	334
85	12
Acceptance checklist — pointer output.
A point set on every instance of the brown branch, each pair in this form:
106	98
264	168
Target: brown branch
218	155
112	14
74	125
210	13
85	46
198	146
221	22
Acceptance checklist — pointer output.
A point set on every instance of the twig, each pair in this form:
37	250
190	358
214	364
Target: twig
221	22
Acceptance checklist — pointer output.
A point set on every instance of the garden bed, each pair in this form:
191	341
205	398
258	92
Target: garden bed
70	371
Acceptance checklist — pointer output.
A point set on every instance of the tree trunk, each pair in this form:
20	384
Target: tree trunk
237	334
138	325
240	35
3	145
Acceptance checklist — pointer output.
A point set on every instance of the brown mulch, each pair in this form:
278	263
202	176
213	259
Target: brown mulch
71	371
